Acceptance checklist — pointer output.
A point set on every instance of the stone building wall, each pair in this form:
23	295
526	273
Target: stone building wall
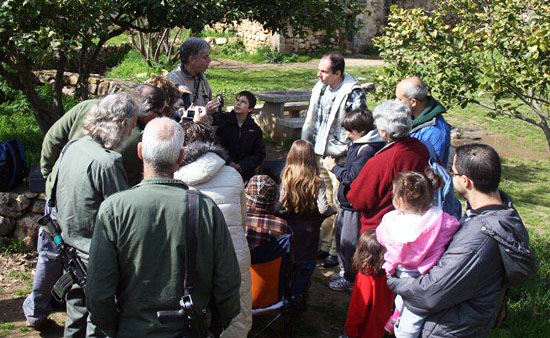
368	23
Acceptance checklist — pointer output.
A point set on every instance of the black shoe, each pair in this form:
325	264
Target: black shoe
330	261
322	254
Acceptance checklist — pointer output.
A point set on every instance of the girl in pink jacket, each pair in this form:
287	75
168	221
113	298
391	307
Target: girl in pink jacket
415	236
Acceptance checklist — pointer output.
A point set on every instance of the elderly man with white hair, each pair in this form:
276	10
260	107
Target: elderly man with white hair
428	124
88	172
371	192
141	244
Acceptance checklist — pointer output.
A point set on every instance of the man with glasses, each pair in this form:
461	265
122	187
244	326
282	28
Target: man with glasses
463	294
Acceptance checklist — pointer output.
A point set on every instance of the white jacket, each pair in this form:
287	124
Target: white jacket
204	169
333	141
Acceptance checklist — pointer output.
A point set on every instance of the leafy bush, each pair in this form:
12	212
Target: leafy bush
218	34
17	119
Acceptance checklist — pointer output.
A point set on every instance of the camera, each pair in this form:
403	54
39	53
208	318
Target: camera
219	97
186	114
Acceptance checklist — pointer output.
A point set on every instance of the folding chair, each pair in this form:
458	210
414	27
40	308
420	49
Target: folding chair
272	281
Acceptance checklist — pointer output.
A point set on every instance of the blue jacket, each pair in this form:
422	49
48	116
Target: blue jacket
436	130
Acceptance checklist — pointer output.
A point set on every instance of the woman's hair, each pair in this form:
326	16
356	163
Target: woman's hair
197	132
394	117
416	189
358	120
300	179
369	255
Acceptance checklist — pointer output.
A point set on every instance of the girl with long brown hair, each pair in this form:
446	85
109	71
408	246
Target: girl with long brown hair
304	205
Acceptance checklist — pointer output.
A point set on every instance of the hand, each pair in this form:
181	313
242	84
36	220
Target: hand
200	114
329	162
211	107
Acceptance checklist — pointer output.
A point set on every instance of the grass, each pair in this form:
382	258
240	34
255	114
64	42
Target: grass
6	329
12	246
17	119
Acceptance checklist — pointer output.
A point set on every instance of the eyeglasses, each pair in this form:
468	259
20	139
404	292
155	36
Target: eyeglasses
452	173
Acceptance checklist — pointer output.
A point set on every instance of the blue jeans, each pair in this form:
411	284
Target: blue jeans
409	324
37	306
304	270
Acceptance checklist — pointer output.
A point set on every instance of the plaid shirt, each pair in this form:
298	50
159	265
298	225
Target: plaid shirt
263	228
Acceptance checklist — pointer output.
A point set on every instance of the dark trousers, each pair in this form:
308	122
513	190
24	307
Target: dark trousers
346	234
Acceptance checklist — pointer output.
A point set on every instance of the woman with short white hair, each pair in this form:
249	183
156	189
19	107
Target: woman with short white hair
371	191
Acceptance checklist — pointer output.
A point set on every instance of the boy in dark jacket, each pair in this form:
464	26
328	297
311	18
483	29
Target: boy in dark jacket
242	137
365	143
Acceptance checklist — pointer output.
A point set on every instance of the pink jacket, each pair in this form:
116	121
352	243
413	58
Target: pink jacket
415	241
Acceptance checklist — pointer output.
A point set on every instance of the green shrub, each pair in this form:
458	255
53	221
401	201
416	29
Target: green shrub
218	34
17	119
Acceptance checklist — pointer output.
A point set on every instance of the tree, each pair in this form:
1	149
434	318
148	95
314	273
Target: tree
69	29
493	53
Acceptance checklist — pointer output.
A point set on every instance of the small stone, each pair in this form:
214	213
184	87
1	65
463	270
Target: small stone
220	41
38	207
209	39
31	195
68	91
233	39
92	88
142	75
73	79
103	88
15	205
94	79
6	226
26	229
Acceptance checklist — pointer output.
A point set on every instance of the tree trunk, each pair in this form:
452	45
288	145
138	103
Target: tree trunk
546	129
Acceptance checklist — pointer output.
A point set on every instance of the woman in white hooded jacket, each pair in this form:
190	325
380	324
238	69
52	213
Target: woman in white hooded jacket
204	168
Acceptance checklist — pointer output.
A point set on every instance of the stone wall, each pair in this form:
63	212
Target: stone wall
97	84
368	23
19	214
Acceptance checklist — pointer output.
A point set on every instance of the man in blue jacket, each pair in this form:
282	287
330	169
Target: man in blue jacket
429	126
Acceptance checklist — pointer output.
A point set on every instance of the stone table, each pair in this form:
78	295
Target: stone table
272	117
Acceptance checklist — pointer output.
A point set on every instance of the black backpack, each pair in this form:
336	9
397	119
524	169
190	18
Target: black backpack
13	165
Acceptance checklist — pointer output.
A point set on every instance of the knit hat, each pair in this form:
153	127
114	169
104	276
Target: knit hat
261	193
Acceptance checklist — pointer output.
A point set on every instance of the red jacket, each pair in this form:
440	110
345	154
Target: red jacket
370	307
371	192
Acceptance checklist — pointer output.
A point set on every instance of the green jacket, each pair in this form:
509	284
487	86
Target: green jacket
88	174
137	260
69	127
433	109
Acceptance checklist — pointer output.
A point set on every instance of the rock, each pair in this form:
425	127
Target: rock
220	41
103	88
6	226
29	194
94	79
69	91
209	39
13	205
38	207
73	79
26	229
92	88
233	39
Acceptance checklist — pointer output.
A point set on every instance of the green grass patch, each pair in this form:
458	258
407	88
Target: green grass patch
118	40
12	246
26	285
217	34
17	119
6	329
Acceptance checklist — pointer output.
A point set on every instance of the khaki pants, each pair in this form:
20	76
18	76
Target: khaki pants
327	242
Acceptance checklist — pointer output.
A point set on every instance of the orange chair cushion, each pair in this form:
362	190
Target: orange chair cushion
265	283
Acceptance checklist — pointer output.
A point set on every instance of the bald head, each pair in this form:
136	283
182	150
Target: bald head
161	147
413	92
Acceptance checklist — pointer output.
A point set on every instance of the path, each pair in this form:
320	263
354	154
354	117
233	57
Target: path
354	61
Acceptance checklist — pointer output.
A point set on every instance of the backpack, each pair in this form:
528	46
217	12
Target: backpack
444	196
13	165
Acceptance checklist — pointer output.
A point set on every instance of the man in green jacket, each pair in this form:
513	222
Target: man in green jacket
87	173
137	257
36	306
